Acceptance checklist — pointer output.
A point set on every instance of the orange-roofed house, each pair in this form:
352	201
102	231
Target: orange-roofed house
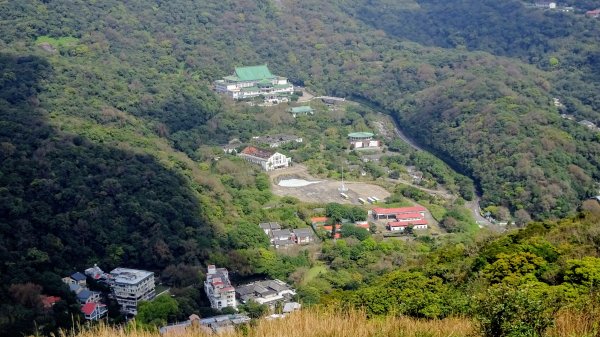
267	159
319	220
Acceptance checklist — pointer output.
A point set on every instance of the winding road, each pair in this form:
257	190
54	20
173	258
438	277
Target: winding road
473	205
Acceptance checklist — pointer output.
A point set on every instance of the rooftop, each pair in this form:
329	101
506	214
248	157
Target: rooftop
319	219
409	216
218	278
291	306
253	73
407	223
129	276
301	109
78	276
269	225
303	232
263	289
286	242
49	301
89	308
400	210
281	232
256	152
360	135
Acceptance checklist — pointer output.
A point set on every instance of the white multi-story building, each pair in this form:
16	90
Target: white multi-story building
131	286
218	288
268	160
253	81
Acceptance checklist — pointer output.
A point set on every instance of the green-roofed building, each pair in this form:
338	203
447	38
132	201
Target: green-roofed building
363	140
252	81
253	73
301	110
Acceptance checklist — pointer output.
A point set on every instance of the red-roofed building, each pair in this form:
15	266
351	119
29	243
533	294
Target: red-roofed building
268	160
593	14
330	227
337	235
393	213
362	224
409	217
401	225
49	301
319	220
94	311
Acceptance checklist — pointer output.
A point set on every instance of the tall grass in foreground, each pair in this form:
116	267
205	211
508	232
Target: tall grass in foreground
324	323
575	323
330	323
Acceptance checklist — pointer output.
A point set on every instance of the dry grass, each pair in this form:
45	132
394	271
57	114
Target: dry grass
329	323
325	323
572	323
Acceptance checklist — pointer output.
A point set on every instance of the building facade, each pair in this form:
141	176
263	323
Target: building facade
218	288
131	286
267	159
248	82
363	140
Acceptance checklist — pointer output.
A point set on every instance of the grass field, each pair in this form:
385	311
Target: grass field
313	272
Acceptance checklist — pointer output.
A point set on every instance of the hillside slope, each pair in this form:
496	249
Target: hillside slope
105	104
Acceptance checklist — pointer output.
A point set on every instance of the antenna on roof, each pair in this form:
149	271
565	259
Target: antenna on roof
343	188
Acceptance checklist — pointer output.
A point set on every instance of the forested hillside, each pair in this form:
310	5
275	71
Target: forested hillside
156	62
105	105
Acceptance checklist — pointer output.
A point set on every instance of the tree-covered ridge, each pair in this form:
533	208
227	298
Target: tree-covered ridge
106	111
565	43
163	56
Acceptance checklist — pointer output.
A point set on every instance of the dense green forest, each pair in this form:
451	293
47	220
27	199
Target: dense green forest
106	113
471	107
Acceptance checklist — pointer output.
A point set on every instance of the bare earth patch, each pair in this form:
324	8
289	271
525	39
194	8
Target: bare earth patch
323	191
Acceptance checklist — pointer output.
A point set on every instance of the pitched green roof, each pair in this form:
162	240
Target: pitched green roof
301	109
253	73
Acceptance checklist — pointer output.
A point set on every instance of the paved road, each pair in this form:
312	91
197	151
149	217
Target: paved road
473	205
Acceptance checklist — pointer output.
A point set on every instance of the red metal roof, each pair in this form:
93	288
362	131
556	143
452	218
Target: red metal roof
49	301
329	228
319	219
260	153
400	210
89	308
409	216
407	223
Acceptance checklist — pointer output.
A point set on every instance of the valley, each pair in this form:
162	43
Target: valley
270	167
